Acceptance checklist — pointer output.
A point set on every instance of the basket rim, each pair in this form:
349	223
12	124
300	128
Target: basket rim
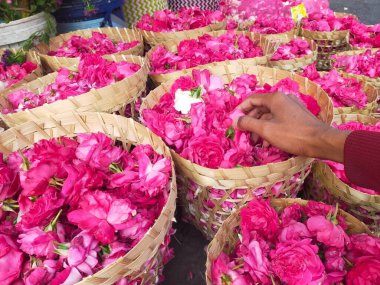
21	131
23	20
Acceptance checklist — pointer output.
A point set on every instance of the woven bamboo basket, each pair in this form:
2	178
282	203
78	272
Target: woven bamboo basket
264	43
372	96
296	64
111	98
30	56
328	187
238	185
135	264
156	38
282	36
227	237
115	34
374	81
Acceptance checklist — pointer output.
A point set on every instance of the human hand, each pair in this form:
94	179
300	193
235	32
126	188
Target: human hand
283	121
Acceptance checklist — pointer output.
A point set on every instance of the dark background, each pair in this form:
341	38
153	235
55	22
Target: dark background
188	266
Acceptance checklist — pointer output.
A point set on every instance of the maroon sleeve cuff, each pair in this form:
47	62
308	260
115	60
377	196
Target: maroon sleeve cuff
362	159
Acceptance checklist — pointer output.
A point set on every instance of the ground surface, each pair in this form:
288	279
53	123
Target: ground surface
188	266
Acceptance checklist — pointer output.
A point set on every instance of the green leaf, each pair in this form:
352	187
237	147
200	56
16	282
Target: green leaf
230	133
196	92
105	249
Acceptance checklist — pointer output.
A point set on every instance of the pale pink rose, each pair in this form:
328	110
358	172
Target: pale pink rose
68	276
294	231
38	242
222	272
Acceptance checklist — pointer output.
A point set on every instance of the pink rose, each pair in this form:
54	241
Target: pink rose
260	217
11	260
363	245
37	242
298	263
292	213
101	214
37	276
294	231
83	252
326	232
9	181
118	250
70	275
366	271
222	272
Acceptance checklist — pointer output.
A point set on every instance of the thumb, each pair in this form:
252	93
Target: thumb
251	124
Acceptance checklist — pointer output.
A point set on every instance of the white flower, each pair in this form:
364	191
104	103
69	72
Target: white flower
184	99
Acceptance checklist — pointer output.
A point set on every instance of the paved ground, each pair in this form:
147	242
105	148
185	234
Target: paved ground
188	266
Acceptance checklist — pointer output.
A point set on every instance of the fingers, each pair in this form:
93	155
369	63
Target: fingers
254	101
247	123
258	112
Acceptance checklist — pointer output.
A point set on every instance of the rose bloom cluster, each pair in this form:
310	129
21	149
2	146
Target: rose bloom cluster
11	73
344	92
195	119
296	48
94	72
182	20
299	245
366	63
272	25
338	168
98	43
204	50
326	22
363	36
70	207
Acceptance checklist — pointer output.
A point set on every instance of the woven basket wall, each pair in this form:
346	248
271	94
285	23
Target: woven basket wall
172	46
326	186
115	34
372	96
296	64
156	38
108	99
374	81
282	36
227	237
30	56
135	263
239	185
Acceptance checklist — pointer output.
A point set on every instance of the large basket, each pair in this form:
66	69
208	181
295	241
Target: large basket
332	190
239	185
108	99
296	64
172	46
227	237
372	96
30	56
156	38
374	81
281	36
115	34
136	263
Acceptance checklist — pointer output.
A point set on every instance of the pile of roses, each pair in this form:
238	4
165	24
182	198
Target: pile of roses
363	36
204	50
338	168
296	48
70	207
98	43
184	19
196	116
298	245
12	71
94	72
344	92
326	22
272	25
366	63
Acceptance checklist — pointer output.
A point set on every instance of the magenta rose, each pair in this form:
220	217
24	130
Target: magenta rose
37	276
363	245
317	208
37	242
298	263
70	275
206	151
9	181
292	213
261	218
326	232
366	271
11	260
222	272
294	231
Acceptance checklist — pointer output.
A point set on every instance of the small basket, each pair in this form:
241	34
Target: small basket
239	185
227	237
108	99
296	64
115	34
372	95
330	188
156	38
374	81
137	262
173	45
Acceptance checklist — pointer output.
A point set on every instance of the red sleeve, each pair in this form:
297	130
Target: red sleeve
362	159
